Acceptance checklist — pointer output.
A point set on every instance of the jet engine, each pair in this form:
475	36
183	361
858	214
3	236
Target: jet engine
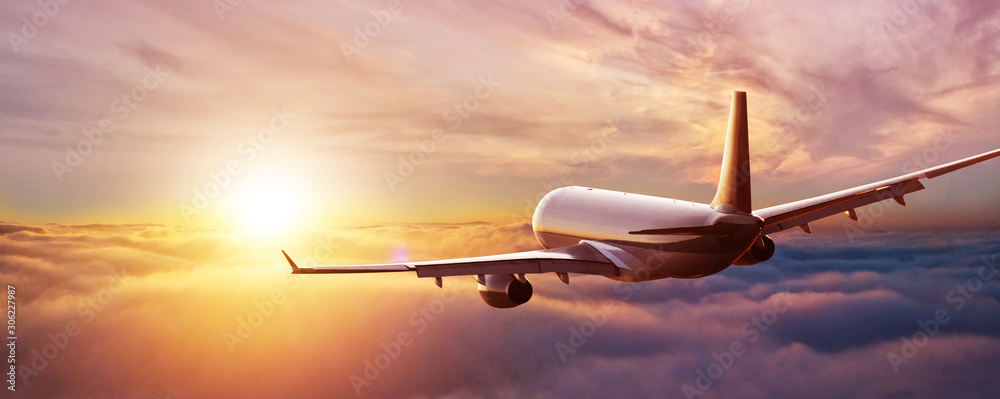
503	290
761	250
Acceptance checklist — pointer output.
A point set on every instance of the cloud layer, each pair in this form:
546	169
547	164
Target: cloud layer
160	311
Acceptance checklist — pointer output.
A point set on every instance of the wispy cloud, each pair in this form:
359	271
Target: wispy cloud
833	86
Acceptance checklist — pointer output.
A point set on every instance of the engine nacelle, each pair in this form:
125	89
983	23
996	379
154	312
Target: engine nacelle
761	250
504	290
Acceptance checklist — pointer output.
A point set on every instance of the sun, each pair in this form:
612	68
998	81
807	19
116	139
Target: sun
267	206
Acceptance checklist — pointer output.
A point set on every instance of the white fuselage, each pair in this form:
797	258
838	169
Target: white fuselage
567	215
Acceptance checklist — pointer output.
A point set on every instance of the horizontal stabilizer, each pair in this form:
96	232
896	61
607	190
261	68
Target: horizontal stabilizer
717	229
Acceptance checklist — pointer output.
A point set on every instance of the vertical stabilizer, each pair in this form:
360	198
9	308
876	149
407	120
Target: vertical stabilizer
734	181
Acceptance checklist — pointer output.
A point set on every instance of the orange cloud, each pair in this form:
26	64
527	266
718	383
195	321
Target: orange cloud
157	311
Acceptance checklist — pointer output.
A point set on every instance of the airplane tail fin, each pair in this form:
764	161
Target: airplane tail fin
734	181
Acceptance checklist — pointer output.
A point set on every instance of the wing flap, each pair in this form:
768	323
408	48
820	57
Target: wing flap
387	268
520	266
838	205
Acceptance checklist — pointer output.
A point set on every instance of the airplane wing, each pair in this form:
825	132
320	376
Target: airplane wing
799	213
583	258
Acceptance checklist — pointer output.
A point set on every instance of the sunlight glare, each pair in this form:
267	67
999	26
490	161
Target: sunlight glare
267	207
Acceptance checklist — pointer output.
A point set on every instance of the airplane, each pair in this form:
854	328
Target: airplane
632	237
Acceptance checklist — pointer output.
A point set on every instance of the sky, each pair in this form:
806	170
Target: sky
157	155
339	113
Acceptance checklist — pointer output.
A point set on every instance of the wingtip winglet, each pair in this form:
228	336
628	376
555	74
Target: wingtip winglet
290	262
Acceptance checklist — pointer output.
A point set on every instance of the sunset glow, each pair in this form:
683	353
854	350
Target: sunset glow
157	156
